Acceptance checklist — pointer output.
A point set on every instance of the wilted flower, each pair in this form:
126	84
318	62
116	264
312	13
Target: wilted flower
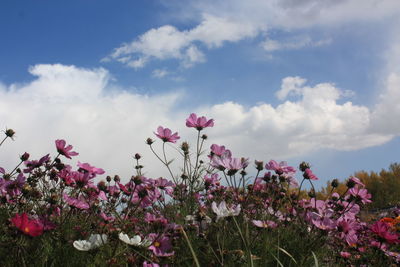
94	241
222	211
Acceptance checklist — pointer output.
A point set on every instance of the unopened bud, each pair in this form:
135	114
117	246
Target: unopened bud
259	165
117	179
137	156
10	133
204	137
108	179
25	156
335	183
149	141
304	165
185	147
350	183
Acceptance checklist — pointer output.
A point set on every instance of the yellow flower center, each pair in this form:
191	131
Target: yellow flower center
26	229
157	244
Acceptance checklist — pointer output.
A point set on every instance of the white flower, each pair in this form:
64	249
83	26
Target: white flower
222	211
136	240
94	241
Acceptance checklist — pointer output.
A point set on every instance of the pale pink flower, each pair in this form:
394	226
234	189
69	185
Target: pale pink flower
166	135
198	122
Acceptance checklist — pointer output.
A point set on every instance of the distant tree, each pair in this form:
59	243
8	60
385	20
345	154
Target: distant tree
383	186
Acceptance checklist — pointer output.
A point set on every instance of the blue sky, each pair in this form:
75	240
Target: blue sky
287	80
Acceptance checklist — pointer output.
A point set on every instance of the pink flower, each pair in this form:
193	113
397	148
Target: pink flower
79	203
161	246
382	229
86	167
27	226
345	254
198	123
280	168
65	150
166	135
308	174
150	264
220	151
360	194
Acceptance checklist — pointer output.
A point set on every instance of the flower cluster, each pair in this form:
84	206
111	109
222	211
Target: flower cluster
209	213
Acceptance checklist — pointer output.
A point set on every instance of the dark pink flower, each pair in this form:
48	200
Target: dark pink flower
65	150
33	164
166	135
14	187
383	231
28	226
198	122
161	246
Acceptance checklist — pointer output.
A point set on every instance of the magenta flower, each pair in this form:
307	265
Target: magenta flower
198	122
14	187
166	135
161	246
28	226
65	150
33	164
383	231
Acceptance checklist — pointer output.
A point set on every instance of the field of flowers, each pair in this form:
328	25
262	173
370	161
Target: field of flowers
212	213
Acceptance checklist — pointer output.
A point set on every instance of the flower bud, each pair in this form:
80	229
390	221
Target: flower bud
137	156
311	194
204	137
304	165
117	179
350	183
335	183
259	165
185	147
25	156
10	133
149	141
108	179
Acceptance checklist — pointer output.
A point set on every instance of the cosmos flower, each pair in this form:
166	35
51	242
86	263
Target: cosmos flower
65	150
136	240
94	241
198	122
166	135
28	226
222	211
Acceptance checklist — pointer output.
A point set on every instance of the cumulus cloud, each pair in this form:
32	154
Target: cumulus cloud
108	124
167	42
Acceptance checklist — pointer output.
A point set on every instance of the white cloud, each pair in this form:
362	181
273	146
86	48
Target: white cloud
294	43
167	42
221	21
159	73
107	124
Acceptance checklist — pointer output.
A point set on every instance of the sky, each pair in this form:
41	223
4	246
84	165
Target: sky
290	80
